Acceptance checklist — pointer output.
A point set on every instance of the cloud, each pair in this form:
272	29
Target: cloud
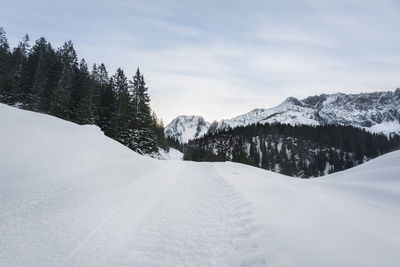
296	37
223	58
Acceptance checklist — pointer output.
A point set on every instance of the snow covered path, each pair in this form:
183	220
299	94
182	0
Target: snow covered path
69	196
200	221
196	219
180	215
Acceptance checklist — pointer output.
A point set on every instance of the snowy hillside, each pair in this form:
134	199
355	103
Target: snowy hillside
376	112
71	196
185	128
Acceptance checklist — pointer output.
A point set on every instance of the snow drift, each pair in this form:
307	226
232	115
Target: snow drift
71	196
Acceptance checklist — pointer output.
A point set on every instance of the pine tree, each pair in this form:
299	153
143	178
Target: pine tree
61	103
19	58
39	76
124	106
82	110
143	136
95	80
158	128
5	79
107	111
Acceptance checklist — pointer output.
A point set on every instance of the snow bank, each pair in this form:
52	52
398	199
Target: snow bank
349	218
172	154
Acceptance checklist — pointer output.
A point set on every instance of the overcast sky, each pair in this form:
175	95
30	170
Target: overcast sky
223	58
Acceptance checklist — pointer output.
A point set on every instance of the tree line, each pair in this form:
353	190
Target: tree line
54	81
302	151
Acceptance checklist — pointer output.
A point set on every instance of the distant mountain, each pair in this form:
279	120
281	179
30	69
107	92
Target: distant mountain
377	112
184	128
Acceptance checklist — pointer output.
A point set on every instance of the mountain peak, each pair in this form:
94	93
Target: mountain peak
293	101
186	127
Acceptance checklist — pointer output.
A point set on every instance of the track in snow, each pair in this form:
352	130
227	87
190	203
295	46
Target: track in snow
192	218
201	221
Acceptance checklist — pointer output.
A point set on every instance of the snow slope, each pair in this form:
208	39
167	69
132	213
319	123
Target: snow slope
349	218
69	196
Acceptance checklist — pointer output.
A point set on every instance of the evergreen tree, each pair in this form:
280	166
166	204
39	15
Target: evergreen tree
107	111
82	110
5	79
39	76
52	82
19	58
124	110
144	139
158	128
61	102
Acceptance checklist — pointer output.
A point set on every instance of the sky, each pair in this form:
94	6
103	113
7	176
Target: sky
223	58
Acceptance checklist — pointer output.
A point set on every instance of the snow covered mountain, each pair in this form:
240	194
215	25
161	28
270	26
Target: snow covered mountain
375	112
71	196
185	128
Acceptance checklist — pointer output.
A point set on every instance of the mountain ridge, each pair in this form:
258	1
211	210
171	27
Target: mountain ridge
376	112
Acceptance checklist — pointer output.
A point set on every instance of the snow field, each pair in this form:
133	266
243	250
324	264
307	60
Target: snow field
69	196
